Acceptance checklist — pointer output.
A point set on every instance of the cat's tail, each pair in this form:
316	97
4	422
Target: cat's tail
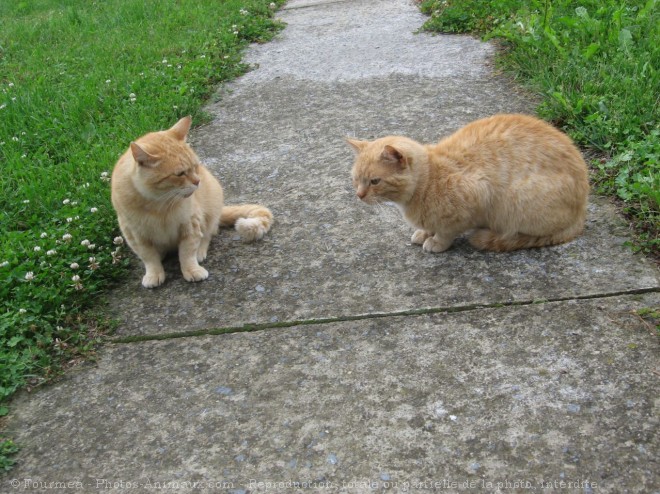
251	221
485	239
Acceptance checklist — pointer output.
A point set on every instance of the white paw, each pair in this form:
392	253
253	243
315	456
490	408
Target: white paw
196	274
431	244
250	229
152	279
201	254
419	237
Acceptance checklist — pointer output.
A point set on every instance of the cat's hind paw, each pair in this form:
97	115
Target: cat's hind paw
251	229
420	236
153	279
433	244
197	273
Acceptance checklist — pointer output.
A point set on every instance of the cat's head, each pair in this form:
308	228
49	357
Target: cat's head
167	167
385	169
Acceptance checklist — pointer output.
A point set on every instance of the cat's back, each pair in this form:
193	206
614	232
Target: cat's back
515	140
503	129
122	190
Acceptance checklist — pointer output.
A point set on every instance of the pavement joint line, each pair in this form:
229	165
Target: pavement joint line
312	5
248	328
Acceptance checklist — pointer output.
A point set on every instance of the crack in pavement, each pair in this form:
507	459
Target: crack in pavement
362	317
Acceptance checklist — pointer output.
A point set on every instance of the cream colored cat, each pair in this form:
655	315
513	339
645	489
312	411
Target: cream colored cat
514	180
166	200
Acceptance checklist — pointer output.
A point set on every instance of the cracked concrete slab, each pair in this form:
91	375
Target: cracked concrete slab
555	392
549	388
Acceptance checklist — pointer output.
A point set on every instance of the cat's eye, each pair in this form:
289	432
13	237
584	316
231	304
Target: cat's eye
375	181
180	174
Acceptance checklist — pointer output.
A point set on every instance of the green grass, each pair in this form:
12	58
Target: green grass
78	81
651	317
596	66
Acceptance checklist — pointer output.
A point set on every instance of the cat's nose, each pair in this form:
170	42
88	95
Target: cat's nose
195	181
361	193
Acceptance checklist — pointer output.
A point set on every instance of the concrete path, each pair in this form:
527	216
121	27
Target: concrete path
334	355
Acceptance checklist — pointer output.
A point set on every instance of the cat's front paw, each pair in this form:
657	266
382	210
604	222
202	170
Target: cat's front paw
420	236
195	274
202	253
433	244
152	279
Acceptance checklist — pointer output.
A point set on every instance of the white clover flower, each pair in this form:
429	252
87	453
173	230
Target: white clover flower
76	217
11	84
93	210
202	56
4	264
74	203
37	248
116	256
85	242
74	265
22	311
92	259
91	246
118	241
272	5
164	60
66	201
75	278
3	106
29	276
243	12
51	252
43	235
108	81
66	237
26	201
69	220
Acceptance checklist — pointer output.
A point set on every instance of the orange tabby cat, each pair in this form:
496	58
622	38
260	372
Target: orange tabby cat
166	200
514	180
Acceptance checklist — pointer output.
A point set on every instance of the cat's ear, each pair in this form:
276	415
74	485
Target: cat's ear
141	156
181	128
357	145
392	155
